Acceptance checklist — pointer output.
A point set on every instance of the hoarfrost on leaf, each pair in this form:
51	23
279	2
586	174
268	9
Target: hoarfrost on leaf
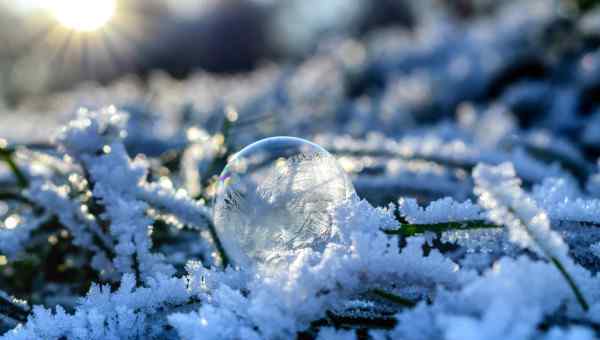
500	192
439	211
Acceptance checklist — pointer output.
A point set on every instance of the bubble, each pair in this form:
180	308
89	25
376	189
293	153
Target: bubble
275	196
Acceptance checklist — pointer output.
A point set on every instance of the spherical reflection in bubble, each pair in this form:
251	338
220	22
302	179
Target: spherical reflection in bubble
276	196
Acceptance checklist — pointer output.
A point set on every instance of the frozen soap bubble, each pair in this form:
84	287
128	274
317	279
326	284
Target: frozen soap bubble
275	196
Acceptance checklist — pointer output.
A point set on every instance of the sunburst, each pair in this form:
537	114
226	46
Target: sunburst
91	39
83	16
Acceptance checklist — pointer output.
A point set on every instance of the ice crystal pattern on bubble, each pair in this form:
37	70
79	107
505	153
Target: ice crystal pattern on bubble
276	196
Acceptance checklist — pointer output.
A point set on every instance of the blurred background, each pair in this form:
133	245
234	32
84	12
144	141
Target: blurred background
50	45
358	66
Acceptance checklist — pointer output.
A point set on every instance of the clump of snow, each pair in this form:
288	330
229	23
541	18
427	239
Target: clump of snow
283	302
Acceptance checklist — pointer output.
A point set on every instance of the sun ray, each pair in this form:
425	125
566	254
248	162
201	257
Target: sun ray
83	40
59	57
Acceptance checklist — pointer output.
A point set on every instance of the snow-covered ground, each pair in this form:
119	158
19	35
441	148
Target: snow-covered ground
472	146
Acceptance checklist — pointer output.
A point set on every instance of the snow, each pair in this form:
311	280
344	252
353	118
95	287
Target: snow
438	138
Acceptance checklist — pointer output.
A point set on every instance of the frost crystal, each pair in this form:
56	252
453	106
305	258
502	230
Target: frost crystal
500	192
443	210
563	201
96	140
127	313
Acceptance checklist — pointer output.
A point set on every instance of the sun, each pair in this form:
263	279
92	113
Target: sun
82	15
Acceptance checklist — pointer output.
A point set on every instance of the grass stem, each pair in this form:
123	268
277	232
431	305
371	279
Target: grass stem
218	244
391	297
571	282
407	229
7	156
